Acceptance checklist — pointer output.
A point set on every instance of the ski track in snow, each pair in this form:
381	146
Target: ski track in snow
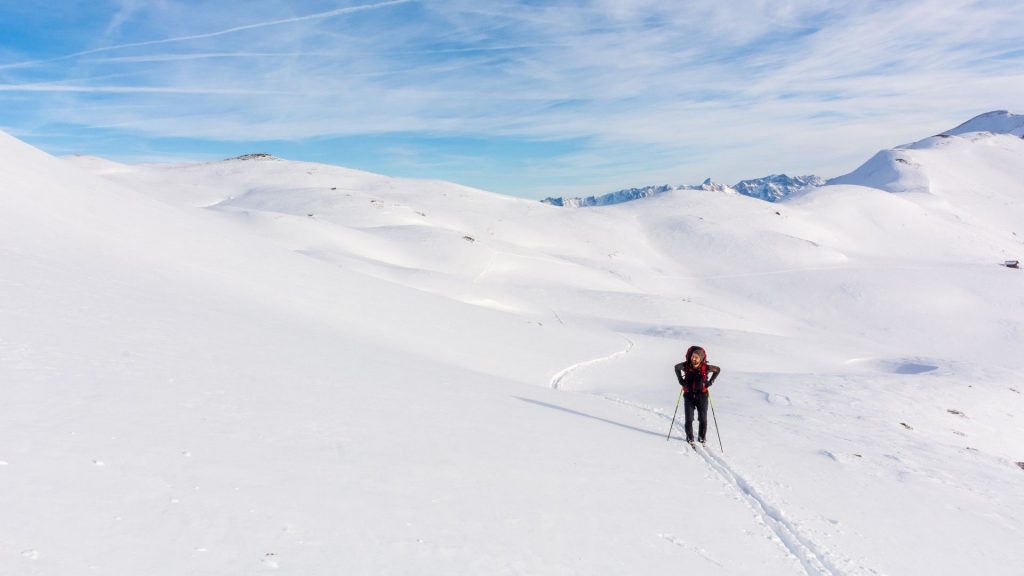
691	547
556	380
814	560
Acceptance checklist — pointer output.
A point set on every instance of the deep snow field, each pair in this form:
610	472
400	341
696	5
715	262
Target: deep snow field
265	366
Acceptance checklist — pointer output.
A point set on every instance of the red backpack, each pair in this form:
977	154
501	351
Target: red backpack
703	365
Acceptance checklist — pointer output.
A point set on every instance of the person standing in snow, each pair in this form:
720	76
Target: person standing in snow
693	377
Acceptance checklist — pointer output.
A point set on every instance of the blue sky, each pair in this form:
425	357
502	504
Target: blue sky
526	98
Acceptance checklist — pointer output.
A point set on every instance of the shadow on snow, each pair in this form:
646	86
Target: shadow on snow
584	414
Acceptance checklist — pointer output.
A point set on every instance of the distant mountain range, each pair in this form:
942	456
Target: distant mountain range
769	188
888	170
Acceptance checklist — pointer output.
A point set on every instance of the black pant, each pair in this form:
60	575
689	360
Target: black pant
698	400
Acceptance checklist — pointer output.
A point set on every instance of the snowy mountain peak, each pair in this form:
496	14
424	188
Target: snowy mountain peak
996	122
711	186
910	167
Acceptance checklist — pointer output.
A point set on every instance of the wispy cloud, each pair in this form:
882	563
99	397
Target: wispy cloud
642	88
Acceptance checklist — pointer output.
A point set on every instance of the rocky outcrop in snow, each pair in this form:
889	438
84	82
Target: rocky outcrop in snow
769	188
777	186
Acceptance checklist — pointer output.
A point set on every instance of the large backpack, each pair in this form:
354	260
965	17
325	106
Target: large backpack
703	364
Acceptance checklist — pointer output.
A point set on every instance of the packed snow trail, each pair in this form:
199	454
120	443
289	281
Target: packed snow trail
556	380
814	560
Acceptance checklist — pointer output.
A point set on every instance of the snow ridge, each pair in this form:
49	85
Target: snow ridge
996	122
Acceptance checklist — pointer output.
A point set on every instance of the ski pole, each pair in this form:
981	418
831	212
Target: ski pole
717	431
673	424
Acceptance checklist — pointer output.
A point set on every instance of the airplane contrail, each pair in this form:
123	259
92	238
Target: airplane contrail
132	89
319	15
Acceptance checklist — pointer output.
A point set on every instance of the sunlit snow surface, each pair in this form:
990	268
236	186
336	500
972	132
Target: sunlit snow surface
265	366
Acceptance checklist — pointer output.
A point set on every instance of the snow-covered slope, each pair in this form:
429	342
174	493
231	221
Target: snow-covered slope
266	365
184	396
